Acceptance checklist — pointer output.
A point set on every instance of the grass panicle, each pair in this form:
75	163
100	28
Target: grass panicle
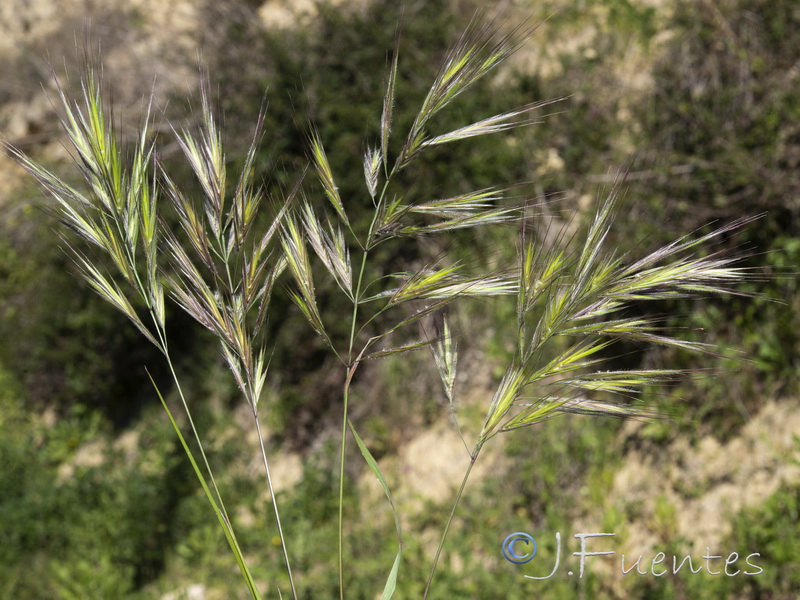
480	50
118	215
233	244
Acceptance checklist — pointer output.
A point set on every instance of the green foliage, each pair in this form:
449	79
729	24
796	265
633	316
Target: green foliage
98	529
61	341
544	489
770	530
722	107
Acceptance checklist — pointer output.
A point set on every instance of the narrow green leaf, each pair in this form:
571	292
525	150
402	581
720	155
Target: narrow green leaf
223	522
391	582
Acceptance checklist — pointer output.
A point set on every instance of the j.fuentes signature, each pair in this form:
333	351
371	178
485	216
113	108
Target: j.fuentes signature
520	548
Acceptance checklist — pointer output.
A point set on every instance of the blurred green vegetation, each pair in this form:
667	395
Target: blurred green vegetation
715	137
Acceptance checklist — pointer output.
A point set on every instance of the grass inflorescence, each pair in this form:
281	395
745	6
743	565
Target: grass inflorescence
235	246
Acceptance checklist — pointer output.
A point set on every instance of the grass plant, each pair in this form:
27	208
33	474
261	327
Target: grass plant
234	244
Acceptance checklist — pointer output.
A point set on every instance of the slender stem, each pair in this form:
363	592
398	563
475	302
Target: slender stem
195	433
356	299
473	457
274	503
351	369
350	372
220	503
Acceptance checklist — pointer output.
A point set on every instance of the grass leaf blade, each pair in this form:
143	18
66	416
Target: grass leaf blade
226	526
391	582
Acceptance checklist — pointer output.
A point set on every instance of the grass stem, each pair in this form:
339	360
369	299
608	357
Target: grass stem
350	372
473	457
274	503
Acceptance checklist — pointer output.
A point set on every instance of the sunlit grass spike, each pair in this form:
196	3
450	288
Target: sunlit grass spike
325	175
